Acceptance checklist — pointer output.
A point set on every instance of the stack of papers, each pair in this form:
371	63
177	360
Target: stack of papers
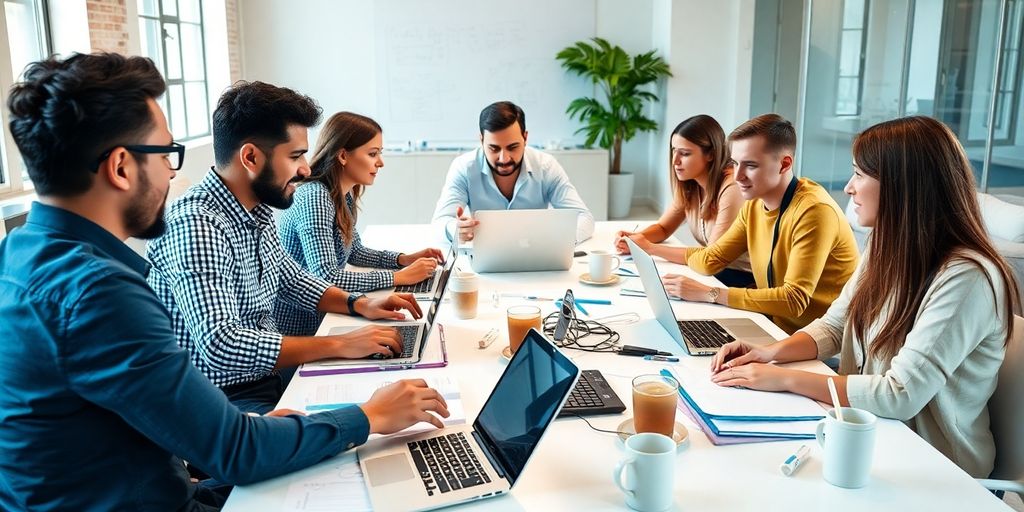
753	415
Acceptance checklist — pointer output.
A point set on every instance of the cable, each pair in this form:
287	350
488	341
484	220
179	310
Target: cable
595	428
578	330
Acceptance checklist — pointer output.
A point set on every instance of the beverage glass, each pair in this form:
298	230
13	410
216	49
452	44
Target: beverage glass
520	320
654	404
464	288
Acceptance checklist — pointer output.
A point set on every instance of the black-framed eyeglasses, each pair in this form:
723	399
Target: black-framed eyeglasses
175	153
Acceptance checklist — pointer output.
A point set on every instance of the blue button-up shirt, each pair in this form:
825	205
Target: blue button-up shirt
219	269
98	402
541	183
310	235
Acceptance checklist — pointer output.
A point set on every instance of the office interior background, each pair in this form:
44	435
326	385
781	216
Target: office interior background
425	69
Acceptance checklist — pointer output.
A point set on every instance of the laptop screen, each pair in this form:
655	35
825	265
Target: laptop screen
657	297
524	401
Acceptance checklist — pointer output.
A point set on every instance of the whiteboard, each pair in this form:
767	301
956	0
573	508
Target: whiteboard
439	63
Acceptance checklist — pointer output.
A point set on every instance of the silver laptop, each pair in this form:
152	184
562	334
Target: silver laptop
698	337
524	240
414	333
427	288
465	463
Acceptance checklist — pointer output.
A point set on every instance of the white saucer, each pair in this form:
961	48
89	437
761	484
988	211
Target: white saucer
585	279
681	436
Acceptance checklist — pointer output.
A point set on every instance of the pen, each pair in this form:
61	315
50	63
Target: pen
793	462
604	302
488	338
581	308
661	358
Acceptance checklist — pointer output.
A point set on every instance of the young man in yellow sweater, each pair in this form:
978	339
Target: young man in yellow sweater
801	247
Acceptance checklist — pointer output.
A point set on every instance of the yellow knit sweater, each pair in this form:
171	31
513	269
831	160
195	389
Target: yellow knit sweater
814	257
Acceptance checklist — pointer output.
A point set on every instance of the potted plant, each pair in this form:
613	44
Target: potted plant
619	114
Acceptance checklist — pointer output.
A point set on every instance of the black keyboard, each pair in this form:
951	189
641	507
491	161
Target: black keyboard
423	286
447	463
408	333
704	333
592	395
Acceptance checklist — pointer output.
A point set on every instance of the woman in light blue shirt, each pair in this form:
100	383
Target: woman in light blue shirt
319	229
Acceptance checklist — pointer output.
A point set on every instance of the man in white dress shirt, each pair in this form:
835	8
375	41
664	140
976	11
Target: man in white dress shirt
504	174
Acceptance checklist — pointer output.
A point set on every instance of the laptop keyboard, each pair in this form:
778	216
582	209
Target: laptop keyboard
592	395
408	333
704	333
423	286
447	463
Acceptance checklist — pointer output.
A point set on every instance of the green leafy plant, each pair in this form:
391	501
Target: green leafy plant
620	116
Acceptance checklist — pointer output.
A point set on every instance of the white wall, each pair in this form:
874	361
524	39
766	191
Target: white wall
326	49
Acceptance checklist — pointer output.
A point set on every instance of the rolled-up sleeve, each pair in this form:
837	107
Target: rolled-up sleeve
454	194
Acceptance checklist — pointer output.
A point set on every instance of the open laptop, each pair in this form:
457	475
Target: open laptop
414	333
427	288
698	337
524	240
463	463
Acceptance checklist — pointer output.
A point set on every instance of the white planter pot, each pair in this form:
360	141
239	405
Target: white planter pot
620	195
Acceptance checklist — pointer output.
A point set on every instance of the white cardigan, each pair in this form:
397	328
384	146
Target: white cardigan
940	381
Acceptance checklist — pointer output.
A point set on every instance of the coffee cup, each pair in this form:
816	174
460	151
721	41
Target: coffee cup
849	446
464	288
654	404
647	473
601	265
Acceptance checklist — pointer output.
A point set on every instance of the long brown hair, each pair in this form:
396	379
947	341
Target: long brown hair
927	214
343	131
704	132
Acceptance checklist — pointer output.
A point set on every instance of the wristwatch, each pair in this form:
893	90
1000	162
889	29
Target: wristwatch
352	298
713	295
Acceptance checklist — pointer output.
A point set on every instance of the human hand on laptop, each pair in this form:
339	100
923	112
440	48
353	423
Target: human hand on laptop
367	341
389	308
466	225
429	253
686	288
402	404
416	271
620	242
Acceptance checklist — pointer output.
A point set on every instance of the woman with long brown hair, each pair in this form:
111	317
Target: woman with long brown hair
703	194
922	325
319	229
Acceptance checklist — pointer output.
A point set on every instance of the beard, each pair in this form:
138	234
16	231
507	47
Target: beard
140	219
515	167
270	193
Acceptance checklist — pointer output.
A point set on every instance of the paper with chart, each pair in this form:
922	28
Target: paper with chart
718	401
335	395
337	485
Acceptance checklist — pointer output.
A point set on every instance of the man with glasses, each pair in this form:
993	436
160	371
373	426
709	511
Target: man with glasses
98	402
220	267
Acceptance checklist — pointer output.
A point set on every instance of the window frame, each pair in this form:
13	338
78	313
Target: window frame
167	101
862	47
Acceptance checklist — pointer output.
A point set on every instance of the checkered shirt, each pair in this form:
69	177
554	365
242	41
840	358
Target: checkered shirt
219	269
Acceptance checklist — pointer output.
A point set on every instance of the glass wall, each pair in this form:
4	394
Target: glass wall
872	60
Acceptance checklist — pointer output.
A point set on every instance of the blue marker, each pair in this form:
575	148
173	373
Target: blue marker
794	461
667	359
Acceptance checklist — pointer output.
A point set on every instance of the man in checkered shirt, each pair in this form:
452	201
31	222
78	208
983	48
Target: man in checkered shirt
220	266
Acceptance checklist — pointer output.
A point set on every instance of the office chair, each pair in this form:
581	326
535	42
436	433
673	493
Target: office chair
1007	412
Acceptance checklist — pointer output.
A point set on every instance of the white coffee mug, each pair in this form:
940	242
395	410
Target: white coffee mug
849	446
647	474
601	265
464	289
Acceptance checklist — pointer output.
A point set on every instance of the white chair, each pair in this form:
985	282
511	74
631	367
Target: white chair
1006	408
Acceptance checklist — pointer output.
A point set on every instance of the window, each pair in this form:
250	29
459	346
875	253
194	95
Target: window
172	35
850	81
28	34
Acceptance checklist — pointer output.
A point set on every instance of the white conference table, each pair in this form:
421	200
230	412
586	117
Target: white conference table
572	467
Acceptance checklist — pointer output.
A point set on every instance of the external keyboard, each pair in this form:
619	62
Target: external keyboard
592	395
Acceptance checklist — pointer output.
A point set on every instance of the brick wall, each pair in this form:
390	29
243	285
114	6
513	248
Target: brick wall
107	29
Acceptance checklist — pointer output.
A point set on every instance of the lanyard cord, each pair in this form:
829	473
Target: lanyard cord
786	199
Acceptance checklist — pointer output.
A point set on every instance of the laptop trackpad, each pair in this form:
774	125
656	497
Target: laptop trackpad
389	469
743	328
